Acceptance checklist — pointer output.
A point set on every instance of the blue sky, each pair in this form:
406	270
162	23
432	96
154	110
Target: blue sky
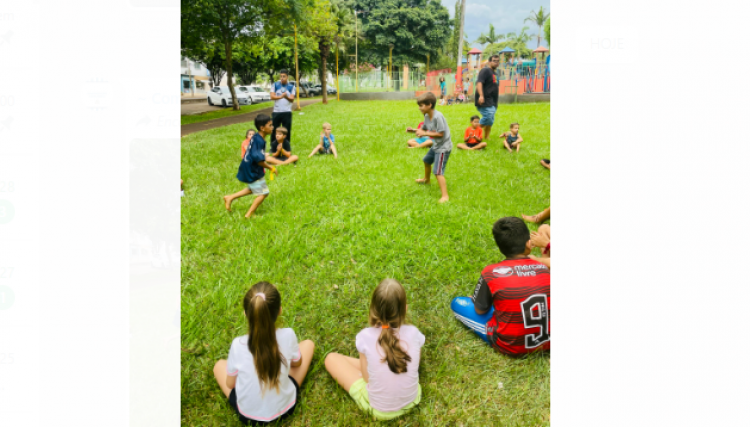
506	15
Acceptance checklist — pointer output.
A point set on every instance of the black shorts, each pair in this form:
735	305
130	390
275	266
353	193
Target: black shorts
248	421
282	119
324	150
470	145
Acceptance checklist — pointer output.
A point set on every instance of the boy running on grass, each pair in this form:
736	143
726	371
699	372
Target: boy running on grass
436	127
251	170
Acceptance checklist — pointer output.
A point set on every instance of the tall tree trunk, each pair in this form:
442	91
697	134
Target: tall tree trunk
324	51
228	51
539	36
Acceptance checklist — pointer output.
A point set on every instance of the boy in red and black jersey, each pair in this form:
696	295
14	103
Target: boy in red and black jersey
510	307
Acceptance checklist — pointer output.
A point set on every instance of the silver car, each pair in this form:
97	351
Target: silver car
221	95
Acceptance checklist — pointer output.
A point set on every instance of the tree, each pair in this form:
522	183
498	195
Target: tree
322	27
538	18
547	32
489	38
414	27
517	42
232	21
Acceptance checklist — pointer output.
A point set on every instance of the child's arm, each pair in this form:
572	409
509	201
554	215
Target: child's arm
430	133
231	381
363	366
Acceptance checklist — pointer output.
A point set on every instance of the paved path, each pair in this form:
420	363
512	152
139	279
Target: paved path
232	120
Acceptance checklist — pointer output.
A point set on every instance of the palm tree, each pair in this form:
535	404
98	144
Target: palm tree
490	37
518	42
538	18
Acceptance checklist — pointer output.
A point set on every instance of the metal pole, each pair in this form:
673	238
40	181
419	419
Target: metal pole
296	63
337	71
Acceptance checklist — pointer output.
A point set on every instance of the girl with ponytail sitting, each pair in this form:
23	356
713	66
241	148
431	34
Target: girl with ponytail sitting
384	381
262	375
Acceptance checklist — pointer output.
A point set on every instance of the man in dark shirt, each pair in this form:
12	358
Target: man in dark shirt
486	95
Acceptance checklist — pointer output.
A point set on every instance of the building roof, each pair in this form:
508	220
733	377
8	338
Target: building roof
475	51
541	49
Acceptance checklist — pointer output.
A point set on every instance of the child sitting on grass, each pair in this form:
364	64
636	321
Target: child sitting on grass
264	370
450	100
281	148
248	136
325	146
436	127
510	307
473	136
513	138
384	381
253	165
423	142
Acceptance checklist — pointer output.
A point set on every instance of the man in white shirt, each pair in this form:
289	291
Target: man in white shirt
282	94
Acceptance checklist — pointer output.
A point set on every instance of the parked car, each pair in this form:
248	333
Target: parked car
255	93
330	89
221	95
311	90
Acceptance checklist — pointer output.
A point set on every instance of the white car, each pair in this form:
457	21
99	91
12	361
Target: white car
255	93
221	95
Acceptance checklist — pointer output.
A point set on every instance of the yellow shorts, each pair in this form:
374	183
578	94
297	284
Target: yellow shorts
358	392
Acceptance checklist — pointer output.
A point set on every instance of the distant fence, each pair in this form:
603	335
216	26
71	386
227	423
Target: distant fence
381	81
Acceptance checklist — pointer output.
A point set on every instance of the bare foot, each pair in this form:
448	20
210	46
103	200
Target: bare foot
228	203
248	215
530	218
443	199
423	181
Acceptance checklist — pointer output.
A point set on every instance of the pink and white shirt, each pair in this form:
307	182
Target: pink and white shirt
387	391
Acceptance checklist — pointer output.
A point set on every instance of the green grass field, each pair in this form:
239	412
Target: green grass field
331	229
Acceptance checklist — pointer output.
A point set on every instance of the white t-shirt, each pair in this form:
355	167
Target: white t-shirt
388	391
250	400
283	105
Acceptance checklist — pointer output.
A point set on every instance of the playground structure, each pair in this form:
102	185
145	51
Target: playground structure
515	76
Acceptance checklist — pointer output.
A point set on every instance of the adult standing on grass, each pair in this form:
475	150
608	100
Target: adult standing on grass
282	94
485	98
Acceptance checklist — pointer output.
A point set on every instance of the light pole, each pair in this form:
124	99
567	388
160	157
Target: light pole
356	53
296	64
390	64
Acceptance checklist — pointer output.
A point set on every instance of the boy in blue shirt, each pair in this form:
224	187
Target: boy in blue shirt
326	143
252	169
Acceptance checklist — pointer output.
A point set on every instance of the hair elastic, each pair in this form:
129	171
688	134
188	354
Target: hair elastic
261	294
385	326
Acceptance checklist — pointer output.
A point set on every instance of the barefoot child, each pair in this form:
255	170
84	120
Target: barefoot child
423	142
281	149
513	138
251	170
436	127
325	146
265	368
384	381
473	136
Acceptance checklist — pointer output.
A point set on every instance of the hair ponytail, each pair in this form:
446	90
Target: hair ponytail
262	304
388	308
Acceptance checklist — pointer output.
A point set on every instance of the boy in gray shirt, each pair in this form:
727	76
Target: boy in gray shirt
436	127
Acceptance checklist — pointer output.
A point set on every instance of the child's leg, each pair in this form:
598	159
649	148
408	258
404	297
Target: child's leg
258	200
335	155
538	218
412	143
230	198
463	146
479	146
344	369
427	170
507	145
463	310
428	143
545	231
545	163
306	349
486	131
273	160
518	146
220	373
293	158
443	188
315	150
